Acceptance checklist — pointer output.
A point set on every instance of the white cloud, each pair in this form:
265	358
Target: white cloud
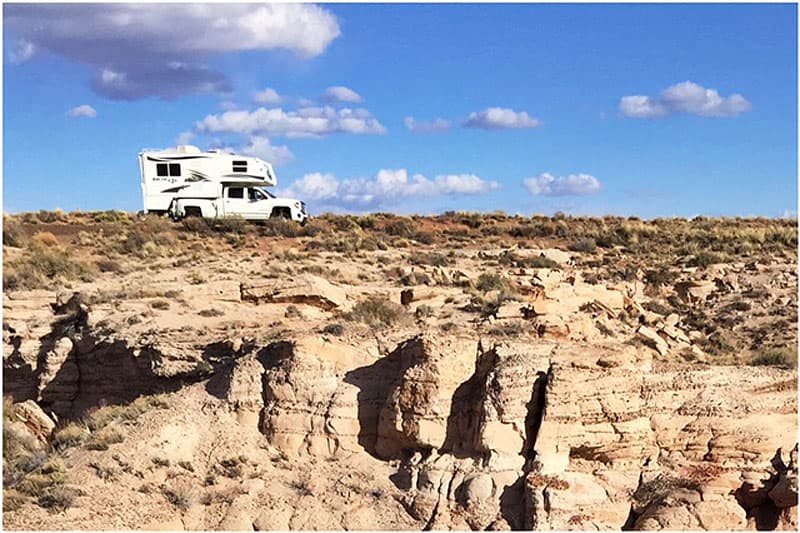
263	148
82	111
641	107
499	118
268	96
386	186
22	51
463	184
315	187
789	213
685	97
573	185
163	49
304	122
342	94
435	126
227	105
184	138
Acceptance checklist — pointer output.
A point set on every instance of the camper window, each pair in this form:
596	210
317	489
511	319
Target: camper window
235	192
240	166
164	169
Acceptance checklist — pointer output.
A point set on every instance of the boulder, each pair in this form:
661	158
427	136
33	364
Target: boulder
694	291
653	339
415	415
477	488
305	289
784	493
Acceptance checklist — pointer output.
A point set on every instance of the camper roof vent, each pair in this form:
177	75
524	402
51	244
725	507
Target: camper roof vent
188	149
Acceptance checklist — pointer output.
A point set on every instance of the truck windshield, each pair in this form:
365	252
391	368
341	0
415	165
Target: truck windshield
267	193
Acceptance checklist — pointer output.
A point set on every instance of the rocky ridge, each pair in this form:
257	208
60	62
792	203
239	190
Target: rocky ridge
602	415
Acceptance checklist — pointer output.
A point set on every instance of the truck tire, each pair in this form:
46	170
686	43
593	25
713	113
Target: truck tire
281	212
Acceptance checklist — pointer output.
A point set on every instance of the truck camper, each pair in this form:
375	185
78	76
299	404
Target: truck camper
187	182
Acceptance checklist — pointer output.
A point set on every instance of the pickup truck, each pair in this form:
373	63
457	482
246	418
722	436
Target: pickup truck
248	202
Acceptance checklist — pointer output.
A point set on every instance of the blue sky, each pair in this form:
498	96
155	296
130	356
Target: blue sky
649	110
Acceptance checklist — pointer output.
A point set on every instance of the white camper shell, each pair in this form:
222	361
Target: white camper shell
188	182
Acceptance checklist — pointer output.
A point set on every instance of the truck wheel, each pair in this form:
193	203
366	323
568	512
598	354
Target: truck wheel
192	211
280	212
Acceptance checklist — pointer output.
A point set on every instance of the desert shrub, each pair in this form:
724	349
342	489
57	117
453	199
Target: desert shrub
351	242
197	225
780	358
704	259
489	281
232	224
292	312
367	222
510	329
345	223
533	229
424	237
333	329
660	487
109	265
21	451
583	245
232	467
280	227
180	496
106	473
49	217
13	500
400	227
740	305
661	276
210	312
111	216
98	418
423	311
160	461
376	311
160	304
545	480
103	439
430	258
143	238
532	261
657	308
224	495
40	266
44	239
72	434
57	498
12	235
471	220
42	482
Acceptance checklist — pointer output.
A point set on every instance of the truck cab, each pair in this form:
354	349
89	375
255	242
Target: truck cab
256	203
